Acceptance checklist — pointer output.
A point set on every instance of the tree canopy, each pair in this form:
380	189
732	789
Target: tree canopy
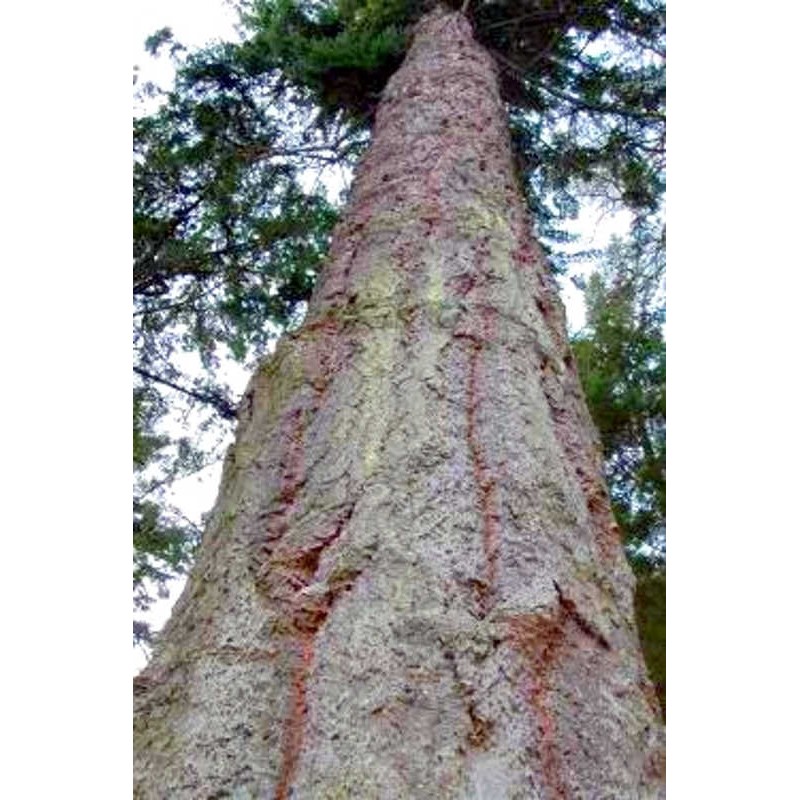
232	220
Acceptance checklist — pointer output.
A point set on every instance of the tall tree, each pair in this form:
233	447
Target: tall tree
228	241
412	584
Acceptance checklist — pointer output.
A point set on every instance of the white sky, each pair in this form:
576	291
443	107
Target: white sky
193	22
197	23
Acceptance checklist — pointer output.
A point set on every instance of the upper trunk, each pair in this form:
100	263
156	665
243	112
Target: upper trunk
412	585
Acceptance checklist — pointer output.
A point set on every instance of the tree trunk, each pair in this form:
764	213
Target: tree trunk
412	585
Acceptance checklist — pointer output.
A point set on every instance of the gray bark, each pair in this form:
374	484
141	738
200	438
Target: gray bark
412	585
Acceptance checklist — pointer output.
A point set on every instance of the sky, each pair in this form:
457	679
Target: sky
193	22
200	22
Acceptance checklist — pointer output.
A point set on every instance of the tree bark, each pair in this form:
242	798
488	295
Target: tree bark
412	585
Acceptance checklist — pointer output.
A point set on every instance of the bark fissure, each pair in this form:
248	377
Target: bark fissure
291	579
545	640
479	733
294	726
485	480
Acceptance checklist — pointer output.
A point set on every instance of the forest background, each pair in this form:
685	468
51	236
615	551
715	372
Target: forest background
733	288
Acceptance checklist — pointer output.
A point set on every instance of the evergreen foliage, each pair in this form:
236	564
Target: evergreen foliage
621	357
650	602
229	235
164	541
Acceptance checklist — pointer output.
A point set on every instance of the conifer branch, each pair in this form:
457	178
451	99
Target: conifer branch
217	401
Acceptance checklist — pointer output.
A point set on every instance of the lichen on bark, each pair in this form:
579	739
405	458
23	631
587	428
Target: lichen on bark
412	585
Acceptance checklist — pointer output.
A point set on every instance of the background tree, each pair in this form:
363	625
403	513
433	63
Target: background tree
621	357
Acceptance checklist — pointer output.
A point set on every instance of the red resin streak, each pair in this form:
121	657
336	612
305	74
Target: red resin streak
541	640
545	641
486	483
435	218
287	570
307	615
280	585
487	486
294	726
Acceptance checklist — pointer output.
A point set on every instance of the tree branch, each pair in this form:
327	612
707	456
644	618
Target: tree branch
222	405
538	16
602	108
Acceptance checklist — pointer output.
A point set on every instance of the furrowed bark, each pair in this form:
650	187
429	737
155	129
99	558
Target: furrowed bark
412	585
